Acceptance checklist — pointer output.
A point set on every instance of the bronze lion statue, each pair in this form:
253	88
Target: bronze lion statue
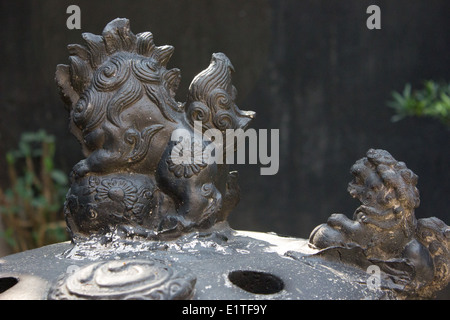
121	100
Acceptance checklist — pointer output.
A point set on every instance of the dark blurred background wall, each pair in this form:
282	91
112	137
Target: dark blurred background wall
309	68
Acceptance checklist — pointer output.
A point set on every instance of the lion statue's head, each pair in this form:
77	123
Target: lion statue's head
118	90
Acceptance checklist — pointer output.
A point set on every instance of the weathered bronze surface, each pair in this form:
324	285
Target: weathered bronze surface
145	226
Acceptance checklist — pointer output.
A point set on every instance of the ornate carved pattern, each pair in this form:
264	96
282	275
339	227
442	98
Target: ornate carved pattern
125	280
140	142
186	166
117	190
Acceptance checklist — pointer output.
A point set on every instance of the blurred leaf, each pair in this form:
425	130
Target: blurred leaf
48	164
433	100
59	177
27	212
39	202
10	158
8	236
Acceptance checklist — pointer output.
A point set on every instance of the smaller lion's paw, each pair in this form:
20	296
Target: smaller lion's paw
80	169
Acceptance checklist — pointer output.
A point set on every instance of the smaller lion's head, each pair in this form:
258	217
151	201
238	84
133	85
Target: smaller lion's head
387	191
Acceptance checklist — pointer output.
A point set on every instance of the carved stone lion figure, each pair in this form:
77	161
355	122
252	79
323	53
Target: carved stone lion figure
121	100
384	226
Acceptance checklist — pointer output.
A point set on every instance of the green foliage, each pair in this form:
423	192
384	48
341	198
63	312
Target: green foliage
31	208
433	100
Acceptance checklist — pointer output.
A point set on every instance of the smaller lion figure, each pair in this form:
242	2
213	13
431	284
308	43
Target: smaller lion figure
414	252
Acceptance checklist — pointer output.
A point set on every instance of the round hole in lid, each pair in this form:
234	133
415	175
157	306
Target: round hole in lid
256	281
